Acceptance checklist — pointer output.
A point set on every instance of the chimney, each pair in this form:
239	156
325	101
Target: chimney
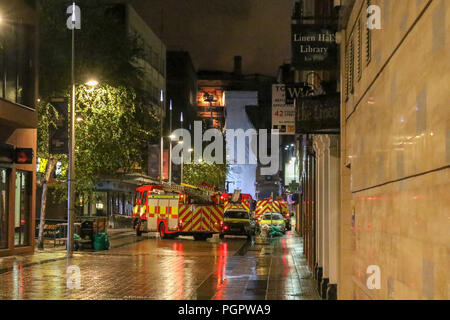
237	65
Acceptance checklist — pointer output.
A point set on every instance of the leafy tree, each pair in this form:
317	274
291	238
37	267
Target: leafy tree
108	138
116	124
210	173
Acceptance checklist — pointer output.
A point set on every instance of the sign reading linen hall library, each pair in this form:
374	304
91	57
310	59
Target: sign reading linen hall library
313	47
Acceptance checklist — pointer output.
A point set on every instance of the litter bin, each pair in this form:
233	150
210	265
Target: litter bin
87	230
101	241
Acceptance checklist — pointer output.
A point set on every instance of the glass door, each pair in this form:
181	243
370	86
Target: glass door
22	208
4	196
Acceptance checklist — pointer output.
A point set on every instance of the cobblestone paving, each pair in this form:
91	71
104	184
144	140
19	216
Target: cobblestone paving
150	268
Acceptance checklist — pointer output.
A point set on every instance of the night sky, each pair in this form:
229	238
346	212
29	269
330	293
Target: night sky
213	31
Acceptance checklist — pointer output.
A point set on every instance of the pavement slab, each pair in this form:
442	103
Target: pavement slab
148	267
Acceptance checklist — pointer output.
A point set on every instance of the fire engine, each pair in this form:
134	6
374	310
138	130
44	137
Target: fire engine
238	215
174	210
237	200
269	205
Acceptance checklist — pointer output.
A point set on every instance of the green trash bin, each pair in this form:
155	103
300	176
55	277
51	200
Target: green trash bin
101	241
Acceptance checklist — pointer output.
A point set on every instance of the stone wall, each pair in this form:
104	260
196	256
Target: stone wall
396	141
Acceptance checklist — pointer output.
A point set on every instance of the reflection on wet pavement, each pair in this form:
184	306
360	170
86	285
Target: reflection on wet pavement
151	268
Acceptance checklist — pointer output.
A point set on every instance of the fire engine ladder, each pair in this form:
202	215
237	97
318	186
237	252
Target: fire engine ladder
199	195
236	195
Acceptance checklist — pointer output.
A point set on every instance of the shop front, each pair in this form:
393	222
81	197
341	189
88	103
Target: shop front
18	122
111	199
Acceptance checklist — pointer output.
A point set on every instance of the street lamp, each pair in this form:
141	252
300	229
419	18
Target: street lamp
92	83
182	153
170	141
73	22
161	160
71	176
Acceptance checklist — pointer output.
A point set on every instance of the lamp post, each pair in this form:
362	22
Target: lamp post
73	22
161	159
170	142
182	153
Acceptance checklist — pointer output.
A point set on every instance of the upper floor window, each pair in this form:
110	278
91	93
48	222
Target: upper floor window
16	63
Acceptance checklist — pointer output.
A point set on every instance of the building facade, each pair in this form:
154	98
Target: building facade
153	64
314	24
212	85
18	122
182	96
395	144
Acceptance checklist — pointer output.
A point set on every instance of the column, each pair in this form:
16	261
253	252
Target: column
334	207
317	144
325	142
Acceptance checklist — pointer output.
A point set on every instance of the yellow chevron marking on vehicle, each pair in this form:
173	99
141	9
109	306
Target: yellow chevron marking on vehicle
205	225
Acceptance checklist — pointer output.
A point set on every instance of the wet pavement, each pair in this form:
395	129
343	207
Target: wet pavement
151	268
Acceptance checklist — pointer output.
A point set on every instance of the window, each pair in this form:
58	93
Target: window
236	215
352	66
272	216
22	208
16	74
358	51
4	195
368	40
346	73
128	204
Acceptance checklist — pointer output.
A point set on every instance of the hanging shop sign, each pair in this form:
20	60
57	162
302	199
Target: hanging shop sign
313	47
283	115
318	114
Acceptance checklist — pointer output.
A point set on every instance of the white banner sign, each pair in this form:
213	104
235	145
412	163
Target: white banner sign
74	19
283	115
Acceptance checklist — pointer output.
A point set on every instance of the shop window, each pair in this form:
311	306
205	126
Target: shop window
100	204
22	209
4	195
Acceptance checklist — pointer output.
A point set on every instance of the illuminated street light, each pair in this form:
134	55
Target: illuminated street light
92	83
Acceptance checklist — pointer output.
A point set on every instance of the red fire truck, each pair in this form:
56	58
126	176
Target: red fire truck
174	212
269	205
242	201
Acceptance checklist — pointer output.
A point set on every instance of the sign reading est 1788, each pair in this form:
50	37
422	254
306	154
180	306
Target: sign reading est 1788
313	47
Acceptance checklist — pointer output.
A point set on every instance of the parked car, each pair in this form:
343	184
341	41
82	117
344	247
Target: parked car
273	219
